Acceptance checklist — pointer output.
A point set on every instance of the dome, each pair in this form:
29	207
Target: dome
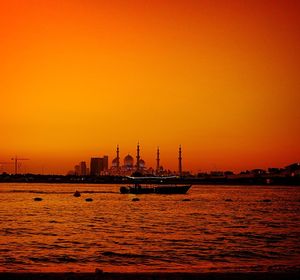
128	157
128	161
115	162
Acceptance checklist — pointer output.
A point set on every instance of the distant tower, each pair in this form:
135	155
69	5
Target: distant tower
157	160
180	161
138	157
118	157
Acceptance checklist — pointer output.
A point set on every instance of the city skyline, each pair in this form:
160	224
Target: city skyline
109	164
80	77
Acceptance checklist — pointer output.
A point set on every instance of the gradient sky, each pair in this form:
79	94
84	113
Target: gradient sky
221	78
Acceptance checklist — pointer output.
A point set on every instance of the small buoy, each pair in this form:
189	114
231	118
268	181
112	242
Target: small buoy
77	194
267	200
37	199
88	199
228	199
135	199
186	199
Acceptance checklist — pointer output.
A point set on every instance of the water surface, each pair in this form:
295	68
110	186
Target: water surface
212	228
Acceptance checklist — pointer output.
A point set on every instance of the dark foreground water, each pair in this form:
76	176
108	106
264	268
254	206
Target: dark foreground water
212	228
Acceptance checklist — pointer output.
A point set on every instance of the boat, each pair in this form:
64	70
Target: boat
137	187
157	189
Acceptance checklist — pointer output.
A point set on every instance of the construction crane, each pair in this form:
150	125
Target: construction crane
16	159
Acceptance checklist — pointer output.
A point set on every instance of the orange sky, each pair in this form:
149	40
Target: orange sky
221	78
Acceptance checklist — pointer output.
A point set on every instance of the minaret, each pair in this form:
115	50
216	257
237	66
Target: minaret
180	161
157	160
118	157
138	157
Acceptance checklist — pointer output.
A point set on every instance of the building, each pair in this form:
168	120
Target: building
95	166
293	169
258	171
128	162
105	163
129	166
83	171
99	166
77	170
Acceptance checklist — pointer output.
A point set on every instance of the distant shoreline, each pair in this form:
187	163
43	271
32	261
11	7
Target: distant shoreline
152	276
265	180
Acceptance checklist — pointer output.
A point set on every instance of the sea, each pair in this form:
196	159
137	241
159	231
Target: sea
209	229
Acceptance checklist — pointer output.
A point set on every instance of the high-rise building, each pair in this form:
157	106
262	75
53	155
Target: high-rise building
95	166
83	168
105	163
101	164
77	170
98	165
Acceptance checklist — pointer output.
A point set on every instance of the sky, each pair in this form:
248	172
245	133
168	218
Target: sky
219	78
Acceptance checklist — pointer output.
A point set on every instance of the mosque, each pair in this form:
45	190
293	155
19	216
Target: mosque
129	166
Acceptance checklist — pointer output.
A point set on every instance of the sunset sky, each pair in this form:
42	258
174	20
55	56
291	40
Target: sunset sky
221	78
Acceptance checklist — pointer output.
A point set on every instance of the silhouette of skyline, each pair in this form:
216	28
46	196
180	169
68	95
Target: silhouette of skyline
105	165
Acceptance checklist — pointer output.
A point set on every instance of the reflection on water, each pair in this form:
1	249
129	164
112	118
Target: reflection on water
212	228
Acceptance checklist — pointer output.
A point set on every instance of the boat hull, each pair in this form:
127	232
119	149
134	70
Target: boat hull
158	189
